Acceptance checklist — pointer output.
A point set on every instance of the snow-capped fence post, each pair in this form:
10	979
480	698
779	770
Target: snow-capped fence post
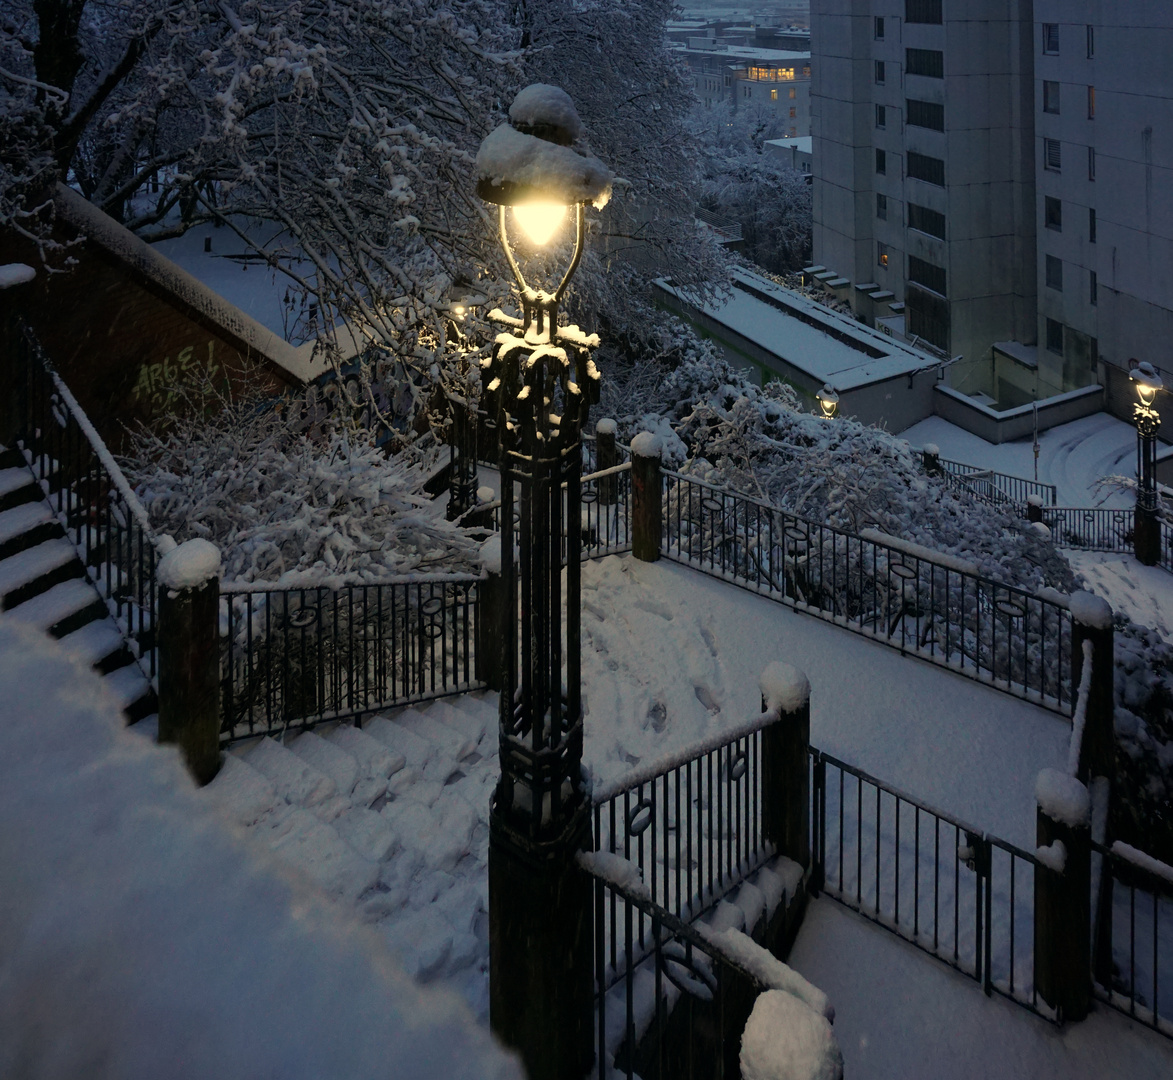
646	495
786	691
932	459
606	458
1062	930
1034	508
1091	620
189	654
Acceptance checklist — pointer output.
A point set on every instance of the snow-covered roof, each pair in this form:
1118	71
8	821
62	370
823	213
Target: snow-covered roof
801	143
823	344
782	57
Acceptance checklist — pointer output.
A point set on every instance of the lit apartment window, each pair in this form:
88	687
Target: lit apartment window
773	93
922	11
1091	42
1051	39
882	207
881	162
925	220
1050	96
881	116
1093	289
1054	273
880	71
1052	155
1091	162
926	274
1054	336
929	62
882	252
879	28
929	169
1053	213
926	114
806	71
1091	225
1091	102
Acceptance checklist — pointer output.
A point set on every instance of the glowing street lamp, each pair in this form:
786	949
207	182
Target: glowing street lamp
1146	532
828	401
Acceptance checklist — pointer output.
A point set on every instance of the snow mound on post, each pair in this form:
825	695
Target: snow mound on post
786	1040
1053	856
606	426
785	688
490	554
1063	798
646	444
15	274
542	105
129	907
1034	499
189	565
932	449
551	172
1091	610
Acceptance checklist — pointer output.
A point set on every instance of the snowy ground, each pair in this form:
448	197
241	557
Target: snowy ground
901	1016
1072	456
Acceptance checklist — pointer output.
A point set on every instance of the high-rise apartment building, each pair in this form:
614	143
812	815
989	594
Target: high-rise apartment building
995	178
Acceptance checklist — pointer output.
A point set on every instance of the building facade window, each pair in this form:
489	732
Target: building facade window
1091	102
882	207
1050	96
881	162
1091	162
929	169
881	116
882	253
793	112
925	220
1054	273
880	72
1091	225
927	62
1055	336
1093	289
1051	39
1091	42
1052	155
926	274
926	114
773	93
878	28
793	93
922	11
1053	213
927	316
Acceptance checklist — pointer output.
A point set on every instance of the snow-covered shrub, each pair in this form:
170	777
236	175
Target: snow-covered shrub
283	506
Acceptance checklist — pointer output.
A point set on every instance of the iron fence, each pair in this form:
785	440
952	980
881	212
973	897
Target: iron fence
921	603
294	657
1090	528
1133	953
959	894
93	502
991	486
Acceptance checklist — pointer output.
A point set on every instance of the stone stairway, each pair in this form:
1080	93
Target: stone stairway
390	819
43	583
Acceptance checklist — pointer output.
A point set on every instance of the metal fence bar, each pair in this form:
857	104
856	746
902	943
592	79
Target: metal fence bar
995	487
1093	528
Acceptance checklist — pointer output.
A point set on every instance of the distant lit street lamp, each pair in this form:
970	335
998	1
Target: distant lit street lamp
537	389
1146	535
828	401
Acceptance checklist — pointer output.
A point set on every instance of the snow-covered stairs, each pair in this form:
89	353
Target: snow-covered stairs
43	583
390	819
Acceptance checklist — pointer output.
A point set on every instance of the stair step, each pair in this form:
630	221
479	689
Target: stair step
316	849
94	642
296	780
35	564
21	519
18	487
417	751
374	757
11	458
326	757
52	609
454	744
128	684
469	722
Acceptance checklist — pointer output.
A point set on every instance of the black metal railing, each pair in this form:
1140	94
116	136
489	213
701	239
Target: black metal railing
294	657
667	1002
692	825
606	512
961	895
991	486
1133	961
95	505
925	604
1091	528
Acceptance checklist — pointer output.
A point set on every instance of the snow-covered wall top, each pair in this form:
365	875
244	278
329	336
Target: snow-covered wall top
130	910
137	254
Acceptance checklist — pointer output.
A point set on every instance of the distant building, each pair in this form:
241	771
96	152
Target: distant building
790	154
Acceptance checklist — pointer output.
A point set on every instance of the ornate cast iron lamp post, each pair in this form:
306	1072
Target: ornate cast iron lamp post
537	389
1146	536
828	401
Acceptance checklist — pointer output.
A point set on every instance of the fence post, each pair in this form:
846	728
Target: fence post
786	692
932	459
606	458
1062	944
189	654
493	616
1146	536
1034	508
646	505
1091	620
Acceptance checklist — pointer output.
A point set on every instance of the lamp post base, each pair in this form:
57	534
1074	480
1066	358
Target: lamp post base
1146	537
541	988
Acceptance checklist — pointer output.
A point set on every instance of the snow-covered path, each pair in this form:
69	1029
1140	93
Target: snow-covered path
1072	456
900	1015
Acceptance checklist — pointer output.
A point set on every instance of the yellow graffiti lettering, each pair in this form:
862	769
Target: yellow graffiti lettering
156	376
184	358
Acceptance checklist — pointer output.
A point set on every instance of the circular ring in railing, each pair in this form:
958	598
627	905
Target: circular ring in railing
589	494
431	606
793	532
434	630
712	505
1012	609
1089	516
683	972
1120	517
902	571
301	618
640	816
738	766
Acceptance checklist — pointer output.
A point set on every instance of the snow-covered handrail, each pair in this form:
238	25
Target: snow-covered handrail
1079	716
1142	861
614	470
337	582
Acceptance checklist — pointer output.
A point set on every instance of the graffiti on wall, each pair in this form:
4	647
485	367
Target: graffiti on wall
160	386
